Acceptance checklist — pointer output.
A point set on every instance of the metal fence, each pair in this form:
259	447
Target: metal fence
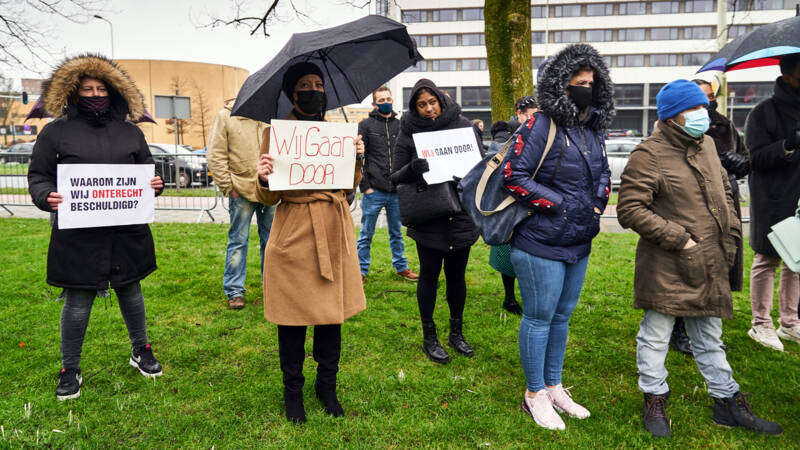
188	185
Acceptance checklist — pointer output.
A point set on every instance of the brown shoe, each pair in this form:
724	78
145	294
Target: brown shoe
408	275
363	279
235	303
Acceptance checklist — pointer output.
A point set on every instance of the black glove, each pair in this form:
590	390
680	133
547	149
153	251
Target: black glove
793	140
735	163
420	166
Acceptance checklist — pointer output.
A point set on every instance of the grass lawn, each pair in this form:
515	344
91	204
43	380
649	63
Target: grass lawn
222	383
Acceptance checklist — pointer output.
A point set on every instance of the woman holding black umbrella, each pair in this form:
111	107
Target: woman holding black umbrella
442	240
311	271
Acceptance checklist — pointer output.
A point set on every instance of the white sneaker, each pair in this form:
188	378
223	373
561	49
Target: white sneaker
563	403
789	334
541	409
765	335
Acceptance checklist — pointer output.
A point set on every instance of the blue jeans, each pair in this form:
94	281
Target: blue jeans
550	290
242	211
371	205
652	344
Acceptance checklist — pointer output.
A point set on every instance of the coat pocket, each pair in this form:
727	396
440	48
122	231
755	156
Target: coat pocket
692	266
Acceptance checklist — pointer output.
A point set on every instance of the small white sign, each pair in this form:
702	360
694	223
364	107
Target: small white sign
450	153
312	155
104	195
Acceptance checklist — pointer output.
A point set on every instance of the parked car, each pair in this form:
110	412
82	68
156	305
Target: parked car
190	170
618	151
17	153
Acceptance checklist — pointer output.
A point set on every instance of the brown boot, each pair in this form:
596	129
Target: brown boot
235	303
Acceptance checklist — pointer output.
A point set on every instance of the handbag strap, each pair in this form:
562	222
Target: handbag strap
496	160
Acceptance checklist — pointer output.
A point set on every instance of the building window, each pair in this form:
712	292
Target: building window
536	61
567	11
654	88
600	9
607	60
631	34
420	66
421	40
444	40
632	8
663	34
735	31
537	37
666	7
537	12
698	33
741	5
663	60
414	15
472	14
598	35
696	6
566	36
472	39
629	94
696	59
449	91
444	65
475	96
749	93
630	60
474	64
445	15
628	119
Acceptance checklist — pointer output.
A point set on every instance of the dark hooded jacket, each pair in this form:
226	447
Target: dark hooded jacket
447	233
91	258
574	177
774	176
380	138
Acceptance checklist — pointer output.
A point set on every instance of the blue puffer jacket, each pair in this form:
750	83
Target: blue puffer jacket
573	180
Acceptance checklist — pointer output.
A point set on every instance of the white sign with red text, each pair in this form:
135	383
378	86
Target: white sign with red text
104	195
450	153
312	155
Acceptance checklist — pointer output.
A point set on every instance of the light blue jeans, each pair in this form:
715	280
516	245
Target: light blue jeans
550	290
652	344
371	205
242	211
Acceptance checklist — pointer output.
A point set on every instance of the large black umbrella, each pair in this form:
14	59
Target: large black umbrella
355	58
764	46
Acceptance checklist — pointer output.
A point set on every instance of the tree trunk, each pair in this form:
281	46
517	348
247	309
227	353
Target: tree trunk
507	28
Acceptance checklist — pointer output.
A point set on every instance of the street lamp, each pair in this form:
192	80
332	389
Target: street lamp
111	27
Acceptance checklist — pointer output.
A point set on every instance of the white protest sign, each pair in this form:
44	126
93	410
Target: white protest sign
103	195
312	155
449	153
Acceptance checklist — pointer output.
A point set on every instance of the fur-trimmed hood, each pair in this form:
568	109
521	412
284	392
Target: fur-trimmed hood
125	96
554	76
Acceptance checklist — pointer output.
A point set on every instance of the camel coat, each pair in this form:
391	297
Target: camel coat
311	272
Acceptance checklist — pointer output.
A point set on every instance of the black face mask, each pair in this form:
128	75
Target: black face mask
581	96
712	105
311	102
95	109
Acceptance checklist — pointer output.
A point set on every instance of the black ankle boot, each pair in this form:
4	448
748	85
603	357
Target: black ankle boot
431	345
679	339
295	411
654	414
327	395
511	305
457	340
735	412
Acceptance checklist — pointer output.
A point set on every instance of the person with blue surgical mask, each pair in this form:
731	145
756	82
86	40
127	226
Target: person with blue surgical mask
676	195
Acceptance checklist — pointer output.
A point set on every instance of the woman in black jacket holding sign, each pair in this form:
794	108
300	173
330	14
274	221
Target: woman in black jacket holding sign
90	97
445	239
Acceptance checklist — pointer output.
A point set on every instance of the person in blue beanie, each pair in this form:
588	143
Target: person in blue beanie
676	195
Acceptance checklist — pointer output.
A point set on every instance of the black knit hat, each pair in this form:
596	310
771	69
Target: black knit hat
297	71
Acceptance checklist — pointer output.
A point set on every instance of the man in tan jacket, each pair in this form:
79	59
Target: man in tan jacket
232	158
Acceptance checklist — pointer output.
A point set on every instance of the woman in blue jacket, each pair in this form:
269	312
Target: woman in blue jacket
550	249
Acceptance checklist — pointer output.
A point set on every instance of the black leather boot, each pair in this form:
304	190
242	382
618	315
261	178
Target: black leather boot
654	413
511	305
291	350
457	340
679	339
327	350
431	345
735	412
295	411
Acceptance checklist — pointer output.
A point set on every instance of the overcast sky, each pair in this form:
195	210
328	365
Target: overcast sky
172	30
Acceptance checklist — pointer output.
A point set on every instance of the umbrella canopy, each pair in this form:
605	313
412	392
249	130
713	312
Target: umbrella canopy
37	112
355	58
761	47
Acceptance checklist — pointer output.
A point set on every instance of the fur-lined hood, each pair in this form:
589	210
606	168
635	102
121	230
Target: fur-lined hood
554	76
125	96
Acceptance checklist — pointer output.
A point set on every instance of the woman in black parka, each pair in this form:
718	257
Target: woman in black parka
444	240
90	97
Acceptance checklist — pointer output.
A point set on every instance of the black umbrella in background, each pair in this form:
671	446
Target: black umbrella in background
355	58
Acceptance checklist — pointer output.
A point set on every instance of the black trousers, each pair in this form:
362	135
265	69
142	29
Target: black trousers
291	350
455	269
